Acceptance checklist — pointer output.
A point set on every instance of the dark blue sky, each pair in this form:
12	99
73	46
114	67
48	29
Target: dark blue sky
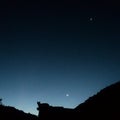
51	49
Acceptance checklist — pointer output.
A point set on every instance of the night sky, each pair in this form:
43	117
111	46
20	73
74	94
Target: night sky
57	52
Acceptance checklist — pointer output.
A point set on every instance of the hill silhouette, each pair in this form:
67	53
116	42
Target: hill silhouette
104	105
11	113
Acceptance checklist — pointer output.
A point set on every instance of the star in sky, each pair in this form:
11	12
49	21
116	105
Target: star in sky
91	19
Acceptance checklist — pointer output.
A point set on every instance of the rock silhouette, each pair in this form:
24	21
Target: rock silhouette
49	112
105	105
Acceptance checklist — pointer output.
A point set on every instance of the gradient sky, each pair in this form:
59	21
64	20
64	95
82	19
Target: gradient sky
57	52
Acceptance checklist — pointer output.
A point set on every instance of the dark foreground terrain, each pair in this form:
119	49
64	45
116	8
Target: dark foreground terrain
11	113
105	105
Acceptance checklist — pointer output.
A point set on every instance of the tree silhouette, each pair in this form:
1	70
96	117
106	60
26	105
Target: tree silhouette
0	101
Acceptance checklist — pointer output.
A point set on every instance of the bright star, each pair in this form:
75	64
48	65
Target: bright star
67	95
